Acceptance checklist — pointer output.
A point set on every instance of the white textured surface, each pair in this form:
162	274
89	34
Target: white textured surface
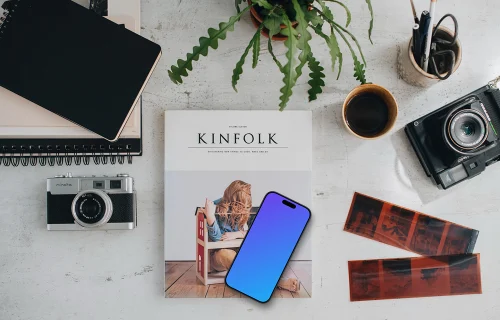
119	275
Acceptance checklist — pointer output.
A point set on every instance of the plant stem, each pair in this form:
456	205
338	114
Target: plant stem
353	38
180	70
345	40
320	33
348	12
269	43
270	49
337	27
238	70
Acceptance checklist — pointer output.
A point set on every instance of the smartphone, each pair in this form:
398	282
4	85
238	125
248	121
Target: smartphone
268	246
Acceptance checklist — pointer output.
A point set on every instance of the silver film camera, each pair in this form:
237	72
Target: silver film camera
91	203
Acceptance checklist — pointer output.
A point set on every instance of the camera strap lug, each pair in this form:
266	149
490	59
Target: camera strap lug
494	83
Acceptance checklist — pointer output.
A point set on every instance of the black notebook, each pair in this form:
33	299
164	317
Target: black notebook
74	63
30	135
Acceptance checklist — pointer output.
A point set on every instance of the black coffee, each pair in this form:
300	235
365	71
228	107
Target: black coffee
367	115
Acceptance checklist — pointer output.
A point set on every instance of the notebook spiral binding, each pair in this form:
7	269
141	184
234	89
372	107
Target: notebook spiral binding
64	155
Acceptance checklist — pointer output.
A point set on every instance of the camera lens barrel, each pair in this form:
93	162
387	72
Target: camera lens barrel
467	129
92	208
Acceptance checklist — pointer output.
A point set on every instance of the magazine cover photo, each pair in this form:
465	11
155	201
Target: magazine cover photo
211	213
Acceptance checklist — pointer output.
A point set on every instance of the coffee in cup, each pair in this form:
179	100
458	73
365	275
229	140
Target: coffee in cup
369	111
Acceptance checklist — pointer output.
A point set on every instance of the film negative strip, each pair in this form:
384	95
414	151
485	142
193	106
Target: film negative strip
415	277
407	229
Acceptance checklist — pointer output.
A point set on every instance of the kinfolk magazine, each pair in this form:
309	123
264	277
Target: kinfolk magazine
220	165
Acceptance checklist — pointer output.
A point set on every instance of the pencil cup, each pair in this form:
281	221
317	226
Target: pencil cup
411	72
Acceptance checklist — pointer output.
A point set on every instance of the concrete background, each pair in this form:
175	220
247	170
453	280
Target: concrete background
119	275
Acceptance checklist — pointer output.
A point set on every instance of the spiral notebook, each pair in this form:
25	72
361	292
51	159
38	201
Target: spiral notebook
31	135
75	63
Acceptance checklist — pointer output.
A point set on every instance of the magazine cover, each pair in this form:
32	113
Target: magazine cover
219	165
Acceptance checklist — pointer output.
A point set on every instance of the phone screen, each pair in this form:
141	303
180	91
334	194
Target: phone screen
267	247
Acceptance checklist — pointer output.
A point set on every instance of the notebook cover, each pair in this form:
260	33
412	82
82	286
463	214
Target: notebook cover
407	229
75	63
22	119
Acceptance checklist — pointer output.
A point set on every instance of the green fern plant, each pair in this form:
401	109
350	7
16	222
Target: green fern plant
310	16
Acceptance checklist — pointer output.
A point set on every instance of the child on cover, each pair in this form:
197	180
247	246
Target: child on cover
230	222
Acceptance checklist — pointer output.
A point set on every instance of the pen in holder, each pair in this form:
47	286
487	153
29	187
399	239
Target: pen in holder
410	71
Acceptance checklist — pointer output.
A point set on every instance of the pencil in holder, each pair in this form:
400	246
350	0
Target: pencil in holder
410	71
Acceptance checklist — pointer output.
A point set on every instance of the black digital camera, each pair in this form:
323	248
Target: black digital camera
459	140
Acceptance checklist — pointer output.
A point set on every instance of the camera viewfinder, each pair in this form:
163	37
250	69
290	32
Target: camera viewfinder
115	184
98	184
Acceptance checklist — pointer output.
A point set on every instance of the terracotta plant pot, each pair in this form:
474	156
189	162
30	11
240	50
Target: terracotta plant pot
257	21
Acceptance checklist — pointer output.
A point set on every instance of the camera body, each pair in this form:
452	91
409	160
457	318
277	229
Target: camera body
91	203
458	141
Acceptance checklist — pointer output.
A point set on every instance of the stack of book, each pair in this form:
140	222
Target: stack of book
71	82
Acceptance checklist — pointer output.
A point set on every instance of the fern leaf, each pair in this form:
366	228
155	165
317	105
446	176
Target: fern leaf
347	11
270	49
180	70
325	10
273	24
263	3
237	3
335	50
341	60
359	71
304	37
332	43
339	28
313	18
369	3
316	82
238	70
288	69
256	48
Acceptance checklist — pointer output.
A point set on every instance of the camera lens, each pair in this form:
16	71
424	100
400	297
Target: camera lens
92	208
467	129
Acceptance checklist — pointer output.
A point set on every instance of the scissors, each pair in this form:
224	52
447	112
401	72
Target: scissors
442	57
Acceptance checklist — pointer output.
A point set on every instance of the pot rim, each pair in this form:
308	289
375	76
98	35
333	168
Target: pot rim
259	18
265	32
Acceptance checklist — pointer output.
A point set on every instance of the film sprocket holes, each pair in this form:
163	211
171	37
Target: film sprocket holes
91	203
415	277
407	229
458	141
